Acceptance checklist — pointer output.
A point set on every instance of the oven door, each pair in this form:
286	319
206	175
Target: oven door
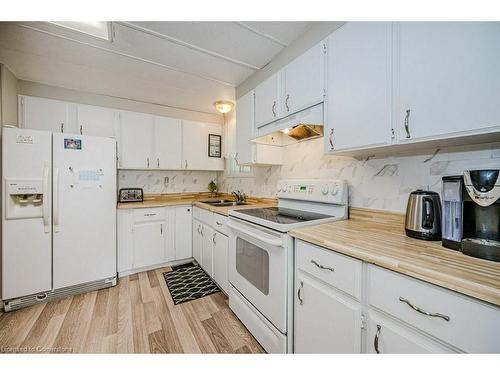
257	268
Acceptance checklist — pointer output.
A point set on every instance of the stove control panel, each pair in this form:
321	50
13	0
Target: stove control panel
320	190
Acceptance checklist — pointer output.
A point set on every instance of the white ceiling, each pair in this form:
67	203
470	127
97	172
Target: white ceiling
183	64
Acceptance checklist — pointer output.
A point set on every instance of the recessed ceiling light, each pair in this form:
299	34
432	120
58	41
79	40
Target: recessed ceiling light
223	106
98	29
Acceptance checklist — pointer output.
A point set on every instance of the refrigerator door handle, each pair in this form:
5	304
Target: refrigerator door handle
55	202
45	198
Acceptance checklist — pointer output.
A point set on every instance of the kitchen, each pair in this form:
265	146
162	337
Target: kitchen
291	187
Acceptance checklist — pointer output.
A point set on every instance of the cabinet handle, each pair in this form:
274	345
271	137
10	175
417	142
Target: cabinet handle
321	266
202	230
213	238
218	223
236	157
274	108
199	229
148	161
330	139
161	228
185	164
407	123
62	127
149	214
419	310
286	103
158	162
375	340
299	294
81	129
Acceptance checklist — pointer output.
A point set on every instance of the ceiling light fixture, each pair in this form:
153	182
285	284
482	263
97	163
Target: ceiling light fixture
223	106
98	29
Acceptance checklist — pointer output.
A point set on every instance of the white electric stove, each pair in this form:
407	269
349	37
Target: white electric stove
261	255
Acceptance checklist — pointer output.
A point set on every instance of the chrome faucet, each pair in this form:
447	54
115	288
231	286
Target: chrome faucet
240	197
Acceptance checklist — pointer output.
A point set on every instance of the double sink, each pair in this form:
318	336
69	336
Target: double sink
224	203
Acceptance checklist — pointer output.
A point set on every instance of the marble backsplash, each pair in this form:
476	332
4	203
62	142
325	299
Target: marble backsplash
154	182
378	183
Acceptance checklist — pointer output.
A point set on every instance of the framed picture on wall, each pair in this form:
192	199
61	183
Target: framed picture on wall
214	146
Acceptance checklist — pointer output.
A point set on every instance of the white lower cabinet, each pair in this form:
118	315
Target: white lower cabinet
221	247
149	237
395	313
207	249
149	243
197	240
325	321
211	245
385	335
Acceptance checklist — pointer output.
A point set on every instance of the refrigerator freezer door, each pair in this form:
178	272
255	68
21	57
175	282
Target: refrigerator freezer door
26	234
84	209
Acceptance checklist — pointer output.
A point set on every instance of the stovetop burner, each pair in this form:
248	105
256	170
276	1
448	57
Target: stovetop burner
283	215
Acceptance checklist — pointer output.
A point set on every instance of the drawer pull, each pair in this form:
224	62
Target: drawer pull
375	340
321	266
218	223
418	309
149	214
299	294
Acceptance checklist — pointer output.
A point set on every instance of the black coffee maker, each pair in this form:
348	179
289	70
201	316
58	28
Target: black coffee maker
471	213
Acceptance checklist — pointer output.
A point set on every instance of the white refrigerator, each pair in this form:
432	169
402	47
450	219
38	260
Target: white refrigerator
58	215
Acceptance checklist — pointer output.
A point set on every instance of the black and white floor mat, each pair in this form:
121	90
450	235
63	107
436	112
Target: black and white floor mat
188	282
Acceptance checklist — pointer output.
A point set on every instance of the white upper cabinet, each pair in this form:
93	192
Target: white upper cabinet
304	80
359	86
267	100
244	128
195	151
449	76
98	121
135	141
167	143
46	114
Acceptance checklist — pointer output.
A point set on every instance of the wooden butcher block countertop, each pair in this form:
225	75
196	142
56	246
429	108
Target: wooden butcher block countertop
379	238
164	200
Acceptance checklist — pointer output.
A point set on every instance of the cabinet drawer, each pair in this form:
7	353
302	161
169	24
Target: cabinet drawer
339	271
467	324
219	223
206	216
149	214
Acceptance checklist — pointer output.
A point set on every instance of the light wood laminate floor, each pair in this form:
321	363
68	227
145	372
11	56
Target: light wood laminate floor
136	316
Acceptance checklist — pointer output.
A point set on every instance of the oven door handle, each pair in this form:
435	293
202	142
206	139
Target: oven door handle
267	239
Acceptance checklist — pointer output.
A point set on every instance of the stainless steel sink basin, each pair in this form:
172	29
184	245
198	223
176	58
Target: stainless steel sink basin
224	203
227	204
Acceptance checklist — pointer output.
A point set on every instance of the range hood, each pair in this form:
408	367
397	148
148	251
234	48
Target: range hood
303	125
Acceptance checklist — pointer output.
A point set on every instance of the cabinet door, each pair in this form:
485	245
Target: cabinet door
45	114
449	74
325	321
183	233
149	244
98	121
244	128
359	86
267	100
197	241
221	246
167	143
195	146
386	336
136	141
304	80
207	238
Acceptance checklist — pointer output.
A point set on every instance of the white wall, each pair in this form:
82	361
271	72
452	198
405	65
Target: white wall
381	183
156	182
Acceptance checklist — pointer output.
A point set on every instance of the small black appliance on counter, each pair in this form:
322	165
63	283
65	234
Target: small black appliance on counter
471	213
130	195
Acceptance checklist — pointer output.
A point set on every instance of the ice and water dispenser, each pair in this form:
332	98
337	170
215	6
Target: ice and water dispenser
24	199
